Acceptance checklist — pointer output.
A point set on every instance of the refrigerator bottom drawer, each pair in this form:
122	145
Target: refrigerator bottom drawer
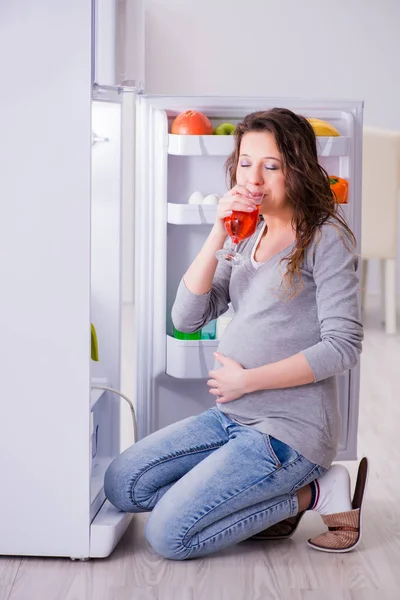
190	359
107	529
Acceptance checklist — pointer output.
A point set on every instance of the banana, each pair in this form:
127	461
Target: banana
323	128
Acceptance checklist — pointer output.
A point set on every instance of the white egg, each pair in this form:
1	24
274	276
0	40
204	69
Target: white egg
211	199
196	198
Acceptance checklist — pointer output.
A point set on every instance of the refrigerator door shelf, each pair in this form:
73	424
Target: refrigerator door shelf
198	145
200	214
333	146
347	212
191	214
190	359
95	396
222	145
107	529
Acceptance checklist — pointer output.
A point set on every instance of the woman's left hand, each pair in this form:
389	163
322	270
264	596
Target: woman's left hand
227	383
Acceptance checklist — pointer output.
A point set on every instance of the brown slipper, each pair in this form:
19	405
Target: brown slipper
280	531
344	529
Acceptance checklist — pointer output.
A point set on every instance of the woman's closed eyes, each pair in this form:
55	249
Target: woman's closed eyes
266	167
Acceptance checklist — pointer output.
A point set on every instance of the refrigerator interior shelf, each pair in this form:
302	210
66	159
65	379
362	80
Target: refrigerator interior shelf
190	359
191	214
222	145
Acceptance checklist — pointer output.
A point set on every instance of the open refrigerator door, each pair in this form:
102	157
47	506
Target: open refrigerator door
117	78
113	118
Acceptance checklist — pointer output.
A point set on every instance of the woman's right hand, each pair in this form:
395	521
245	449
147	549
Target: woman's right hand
238	198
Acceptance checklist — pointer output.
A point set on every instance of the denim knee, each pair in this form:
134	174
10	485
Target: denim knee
118	486
164	535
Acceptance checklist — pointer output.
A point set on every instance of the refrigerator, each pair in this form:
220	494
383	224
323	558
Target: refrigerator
63	271
170	373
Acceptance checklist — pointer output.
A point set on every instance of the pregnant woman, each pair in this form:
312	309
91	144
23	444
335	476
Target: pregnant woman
262	455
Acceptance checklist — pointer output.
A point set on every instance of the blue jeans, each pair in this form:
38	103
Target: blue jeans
209	483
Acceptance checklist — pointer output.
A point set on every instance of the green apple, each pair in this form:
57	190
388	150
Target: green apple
225	129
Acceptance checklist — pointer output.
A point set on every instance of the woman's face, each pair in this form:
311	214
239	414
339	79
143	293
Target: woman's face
260	171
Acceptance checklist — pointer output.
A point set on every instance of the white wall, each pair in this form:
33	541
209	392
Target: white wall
318	48
314	48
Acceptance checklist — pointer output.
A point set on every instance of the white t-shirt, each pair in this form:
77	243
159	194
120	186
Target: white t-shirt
256	264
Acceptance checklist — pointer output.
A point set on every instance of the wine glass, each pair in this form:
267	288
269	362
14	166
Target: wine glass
239	225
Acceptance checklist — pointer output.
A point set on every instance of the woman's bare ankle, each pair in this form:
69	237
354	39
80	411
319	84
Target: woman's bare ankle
304	497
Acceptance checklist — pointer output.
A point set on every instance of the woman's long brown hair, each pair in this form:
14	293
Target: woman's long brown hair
307	183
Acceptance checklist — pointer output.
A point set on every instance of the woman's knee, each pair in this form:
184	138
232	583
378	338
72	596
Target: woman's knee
119	484
165	533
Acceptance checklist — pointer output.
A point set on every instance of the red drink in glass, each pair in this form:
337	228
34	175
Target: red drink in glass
241	225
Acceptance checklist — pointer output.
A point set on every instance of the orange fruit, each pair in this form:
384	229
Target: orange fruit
192	123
